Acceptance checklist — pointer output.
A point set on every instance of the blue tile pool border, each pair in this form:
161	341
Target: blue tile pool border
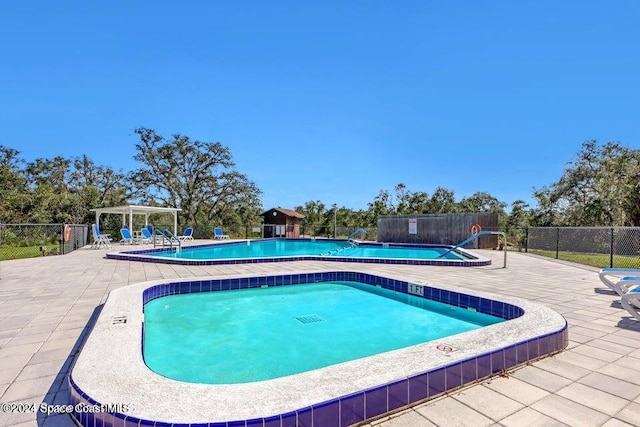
146	255
362	405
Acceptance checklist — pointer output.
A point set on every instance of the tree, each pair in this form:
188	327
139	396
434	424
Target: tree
516	221
600	186
196	176
442	201
482	202
13	191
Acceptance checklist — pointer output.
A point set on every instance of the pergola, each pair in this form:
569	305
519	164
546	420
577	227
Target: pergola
131	210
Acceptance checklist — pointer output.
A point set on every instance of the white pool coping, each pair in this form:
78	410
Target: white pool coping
110	368
150	254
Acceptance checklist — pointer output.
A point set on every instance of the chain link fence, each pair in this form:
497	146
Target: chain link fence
31	240
597	246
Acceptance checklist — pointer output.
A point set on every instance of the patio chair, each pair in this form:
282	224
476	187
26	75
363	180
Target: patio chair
99	240
145	236
218	234
631	302
621	285
187	235
127	238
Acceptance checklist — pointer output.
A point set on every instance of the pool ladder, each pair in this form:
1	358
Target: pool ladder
351	238
352	243
475	236
167	236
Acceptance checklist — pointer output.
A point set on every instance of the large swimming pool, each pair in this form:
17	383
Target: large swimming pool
276	250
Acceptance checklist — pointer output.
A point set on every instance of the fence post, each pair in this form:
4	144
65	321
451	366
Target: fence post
557	241
611	249
526	240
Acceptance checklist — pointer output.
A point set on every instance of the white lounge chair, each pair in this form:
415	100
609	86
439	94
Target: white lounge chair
127	238
218	234
99	240
620	280
187	235
631	302
146	236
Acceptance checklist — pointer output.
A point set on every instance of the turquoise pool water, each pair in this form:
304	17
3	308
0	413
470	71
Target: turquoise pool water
251	335
303	247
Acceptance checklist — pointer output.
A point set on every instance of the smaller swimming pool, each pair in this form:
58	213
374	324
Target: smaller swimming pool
277	250
110	371
284	330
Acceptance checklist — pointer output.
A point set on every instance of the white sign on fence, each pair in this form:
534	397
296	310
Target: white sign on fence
413	225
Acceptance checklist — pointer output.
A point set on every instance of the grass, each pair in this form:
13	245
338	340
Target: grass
594	260
19	252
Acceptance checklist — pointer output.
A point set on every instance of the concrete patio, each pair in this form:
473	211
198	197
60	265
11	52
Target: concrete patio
47	304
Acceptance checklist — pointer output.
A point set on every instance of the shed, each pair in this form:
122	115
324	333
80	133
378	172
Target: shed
280	222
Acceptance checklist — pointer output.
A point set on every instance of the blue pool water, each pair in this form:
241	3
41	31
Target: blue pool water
258	334
305	247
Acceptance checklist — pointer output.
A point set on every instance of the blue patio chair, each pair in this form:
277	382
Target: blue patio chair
99	240
631	302
127	238
218	234
622	285
187	235
145	236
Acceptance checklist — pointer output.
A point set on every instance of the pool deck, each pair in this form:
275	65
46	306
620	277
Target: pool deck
47	305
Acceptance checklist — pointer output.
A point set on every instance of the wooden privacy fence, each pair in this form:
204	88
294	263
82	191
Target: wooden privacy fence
439	229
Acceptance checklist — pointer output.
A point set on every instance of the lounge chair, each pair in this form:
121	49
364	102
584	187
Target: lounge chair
127	238
187	235
99	240
145	236
218	234
631	302
621	285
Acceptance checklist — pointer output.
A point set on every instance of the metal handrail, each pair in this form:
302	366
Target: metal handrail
171	237
355	233
168	236
475	236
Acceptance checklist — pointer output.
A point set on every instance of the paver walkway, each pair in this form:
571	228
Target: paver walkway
47	303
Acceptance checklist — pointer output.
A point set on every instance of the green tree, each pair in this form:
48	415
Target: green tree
482	202
442	201
600	186
196	176
517	221
13	191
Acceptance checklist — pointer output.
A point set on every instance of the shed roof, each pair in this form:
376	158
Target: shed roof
287	212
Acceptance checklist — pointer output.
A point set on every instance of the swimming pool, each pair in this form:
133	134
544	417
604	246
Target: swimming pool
284	330
277	250
110	369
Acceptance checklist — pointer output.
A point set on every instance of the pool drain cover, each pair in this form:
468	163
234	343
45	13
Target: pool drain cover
311	318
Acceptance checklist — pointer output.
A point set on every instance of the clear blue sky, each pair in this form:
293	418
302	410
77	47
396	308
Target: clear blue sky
331	100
